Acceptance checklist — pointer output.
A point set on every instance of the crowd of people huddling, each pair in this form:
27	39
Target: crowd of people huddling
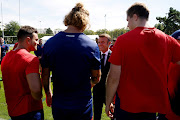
137	79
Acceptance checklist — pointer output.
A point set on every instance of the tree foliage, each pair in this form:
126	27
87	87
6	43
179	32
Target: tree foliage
159	26
11	28
113	33
49	31
117	32
101	31
89	32
42	35
171	22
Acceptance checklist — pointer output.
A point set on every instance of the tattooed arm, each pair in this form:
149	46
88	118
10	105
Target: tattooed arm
95	77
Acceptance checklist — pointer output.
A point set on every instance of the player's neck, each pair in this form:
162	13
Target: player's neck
20	46
142	23
72	29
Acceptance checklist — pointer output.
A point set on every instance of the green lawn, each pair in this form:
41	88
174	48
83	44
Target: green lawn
47	110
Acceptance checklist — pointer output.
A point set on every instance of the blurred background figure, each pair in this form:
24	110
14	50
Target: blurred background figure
174	86
112	44
4	48
97	40
38	52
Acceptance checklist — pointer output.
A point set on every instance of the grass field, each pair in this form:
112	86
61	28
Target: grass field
47	110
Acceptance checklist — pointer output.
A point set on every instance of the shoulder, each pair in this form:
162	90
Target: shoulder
162	36
6	45
159	33
28	57
87	40
52	41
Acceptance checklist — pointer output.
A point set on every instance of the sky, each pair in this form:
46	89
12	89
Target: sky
50	13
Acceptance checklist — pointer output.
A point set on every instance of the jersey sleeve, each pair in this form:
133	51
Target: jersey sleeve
33	66
7	48
96	61
117	53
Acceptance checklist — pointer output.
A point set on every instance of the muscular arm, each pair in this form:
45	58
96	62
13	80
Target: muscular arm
45	79
47	86
112	84
35	85
95	77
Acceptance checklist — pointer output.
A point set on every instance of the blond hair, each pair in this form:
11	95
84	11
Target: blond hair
78	17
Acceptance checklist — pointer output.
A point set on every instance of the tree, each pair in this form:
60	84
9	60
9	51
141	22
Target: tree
159	26
40	35
101	31
117	32
89	32
49	31
11	28
171	22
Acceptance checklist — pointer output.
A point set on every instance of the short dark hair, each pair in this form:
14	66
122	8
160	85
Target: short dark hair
26	31
106	35
139	9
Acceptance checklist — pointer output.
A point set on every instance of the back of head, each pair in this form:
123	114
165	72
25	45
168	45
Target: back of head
25	31
77	17
114	39
176	35
106	35
139	9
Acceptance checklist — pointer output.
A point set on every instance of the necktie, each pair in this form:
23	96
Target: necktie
102	61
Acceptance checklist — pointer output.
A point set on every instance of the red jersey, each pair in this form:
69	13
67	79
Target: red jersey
144	55
15	45
173	77
111	47
15	66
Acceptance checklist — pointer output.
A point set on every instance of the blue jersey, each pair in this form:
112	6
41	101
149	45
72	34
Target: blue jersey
4	48
38	52
71	57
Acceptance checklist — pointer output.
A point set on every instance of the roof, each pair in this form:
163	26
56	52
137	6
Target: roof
45	38
93	37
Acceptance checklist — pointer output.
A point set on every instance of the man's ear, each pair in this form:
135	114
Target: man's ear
28	40
135	17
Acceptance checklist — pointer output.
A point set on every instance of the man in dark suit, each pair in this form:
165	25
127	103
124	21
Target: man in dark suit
99	89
